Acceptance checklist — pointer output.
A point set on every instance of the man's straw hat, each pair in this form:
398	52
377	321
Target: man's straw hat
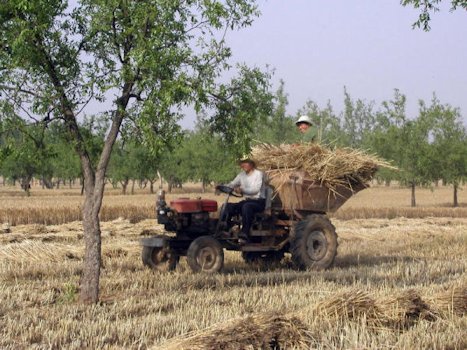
246	159
304	119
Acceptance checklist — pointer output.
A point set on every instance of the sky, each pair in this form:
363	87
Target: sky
319	46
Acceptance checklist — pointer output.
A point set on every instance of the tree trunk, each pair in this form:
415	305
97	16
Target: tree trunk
133	187
387	183
151	186
124	185
26	185
456	203
92	254
413	203
169	186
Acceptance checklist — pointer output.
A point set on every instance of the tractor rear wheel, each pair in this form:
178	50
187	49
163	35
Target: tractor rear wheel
314	243
159	259
205	254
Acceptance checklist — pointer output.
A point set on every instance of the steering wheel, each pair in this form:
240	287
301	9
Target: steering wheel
228	190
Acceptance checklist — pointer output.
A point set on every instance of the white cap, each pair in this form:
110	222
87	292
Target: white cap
304	119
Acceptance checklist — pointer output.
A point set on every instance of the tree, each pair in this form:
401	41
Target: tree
450	144
278	127
406	142
384	140
358	121
205	158
147	57
24	152
328	125
430	6
122	165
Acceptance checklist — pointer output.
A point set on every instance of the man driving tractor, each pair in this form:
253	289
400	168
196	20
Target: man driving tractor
250	183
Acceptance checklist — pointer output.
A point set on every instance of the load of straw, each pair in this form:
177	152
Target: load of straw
328	167
258	331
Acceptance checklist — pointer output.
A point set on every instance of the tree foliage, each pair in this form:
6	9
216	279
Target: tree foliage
428	7
145	58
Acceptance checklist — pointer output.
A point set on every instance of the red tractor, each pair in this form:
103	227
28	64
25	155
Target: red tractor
294	222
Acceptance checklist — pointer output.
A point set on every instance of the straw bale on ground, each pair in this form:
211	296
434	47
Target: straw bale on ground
288	331
352	304
258	331
405	309
452	301
35	251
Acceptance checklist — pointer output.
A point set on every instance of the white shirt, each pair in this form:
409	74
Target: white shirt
252	185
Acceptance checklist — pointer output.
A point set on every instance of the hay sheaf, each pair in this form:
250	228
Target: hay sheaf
452	301
36	251
288	331
348	305
328	167
258	331
405	309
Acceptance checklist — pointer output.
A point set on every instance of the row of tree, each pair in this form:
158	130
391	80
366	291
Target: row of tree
428	148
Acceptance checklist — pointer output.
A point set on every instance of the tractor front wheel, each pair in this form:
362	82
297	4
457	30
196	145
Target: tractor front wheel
314	243
159	259
205	254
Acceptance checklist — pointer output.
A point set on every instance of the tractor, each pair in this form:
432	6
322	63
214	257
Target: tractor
294	222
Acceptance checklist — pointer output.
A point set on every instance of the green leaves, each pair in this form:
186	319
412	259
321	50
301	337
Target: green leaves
239	106
427	7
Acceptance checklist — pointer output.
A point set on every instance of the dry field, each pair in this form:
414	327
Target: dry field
61	206
397	283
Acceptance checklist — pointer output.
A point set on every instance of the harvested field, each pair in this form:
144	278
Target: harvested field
52	207
397	283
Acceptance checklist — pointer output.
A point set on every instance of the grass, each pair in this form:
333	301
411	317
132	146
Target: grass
396	284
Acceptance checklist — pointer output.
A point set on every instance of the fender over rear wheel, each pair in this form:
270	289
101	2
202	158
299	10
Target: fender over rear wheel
205	254
314	243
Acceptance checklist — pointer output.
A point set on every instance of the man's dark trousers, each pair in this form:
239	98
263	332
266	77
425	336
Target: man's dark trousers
247	209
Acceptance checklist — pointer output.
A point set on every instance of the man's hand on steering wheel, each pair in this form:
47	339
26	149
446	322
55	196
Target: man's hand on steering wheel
238	190
229	190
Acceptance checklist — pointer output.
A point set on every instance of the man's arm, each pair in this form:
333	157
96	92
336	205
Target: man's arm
235	182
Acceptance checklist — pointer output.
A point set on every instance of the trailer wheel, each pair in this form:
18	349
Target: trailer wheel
263	257
205	254
314	243
159	259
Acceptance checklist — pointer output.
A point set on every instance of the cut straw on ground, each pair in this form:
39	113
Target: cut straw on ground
258	331
288	330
